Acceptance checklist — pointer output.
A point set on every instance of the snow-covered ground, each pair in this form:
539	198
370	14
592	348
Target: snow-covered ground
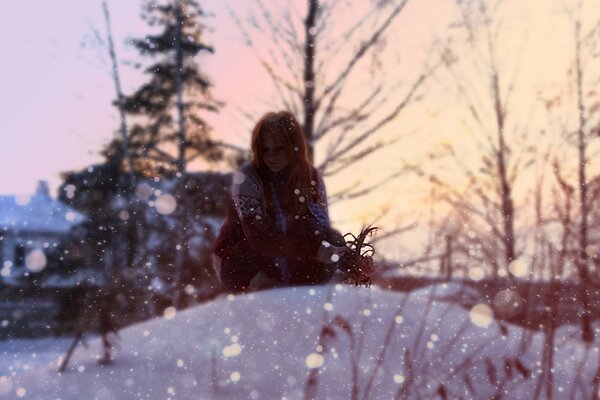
264	345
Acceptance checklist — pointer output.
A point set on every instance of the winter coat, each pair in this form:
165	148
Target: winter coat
249	228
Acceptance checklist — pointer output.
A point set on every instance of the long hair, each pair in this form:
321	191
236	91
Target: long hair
285	127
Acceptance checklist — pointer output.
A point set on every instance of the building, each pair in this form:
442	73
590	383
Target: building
30	227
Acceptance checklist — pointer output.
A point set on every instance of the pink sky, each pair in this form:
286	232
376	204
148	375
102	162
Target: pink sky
56	100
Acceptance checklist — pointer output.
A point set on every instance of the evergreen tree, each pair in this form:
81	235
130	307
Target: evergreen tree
172	132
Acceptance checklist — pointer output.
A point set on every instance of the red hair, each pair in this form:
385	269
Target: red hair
284	126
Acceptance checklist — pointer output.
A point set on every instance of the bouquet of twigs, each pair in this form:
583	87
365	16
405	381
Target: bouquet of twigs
357	263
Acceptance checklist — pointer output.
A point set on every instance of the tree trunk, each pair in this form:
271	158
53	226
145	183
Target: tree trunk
181	164
181	167
309	74
587	332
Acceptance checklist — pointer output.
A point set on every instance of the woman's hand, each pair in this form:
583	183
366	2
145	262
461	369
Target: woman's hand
329	254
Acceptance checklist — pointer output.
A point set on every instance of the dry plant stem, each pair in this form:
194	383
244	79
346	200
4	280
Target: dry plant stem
420	332
404	391
382	353
310	388
426	360
579	382
356	351
596	380
214	382
65	361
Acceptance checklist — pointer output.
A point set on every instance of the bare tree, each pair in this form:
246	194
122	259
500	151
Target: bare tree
484	80
584	116
315	64
576	113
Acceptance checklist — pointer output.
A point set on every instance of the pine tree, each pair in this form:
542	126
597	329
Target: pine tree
172	131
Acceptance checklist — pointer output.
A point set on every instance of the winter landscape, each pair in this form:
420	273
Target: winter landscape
304	199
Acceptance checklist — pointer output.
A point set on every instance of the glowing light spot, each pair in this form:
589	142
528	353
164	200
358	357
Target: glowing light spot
227	331
234	339
165	204
70	216
235	376
301	199
435	337
296	191
399	319
233	350
335	257
508	302
481	315
5	271
146	333
124	215
518	268
189	290
143	191
476	274
238	178
171	391
430	345
328	306
36	260
312	292
170	312
502	273
5	385
81	368
70	191
180	363
367	312
591	250
399	378
22	201
21	392
188	380
230	297
314	360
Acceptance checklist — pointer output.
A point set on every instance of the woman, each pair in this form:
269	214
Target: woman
278	222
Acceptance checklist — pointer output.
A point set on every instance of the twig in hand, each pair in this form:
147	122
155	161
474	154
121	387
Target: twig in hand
357	263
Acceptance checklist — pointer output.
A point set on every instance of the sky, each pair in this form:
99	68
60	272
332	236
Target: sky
56	106
57	88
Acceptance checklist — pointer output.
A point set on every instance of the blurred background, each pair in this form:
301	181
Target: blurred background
468	131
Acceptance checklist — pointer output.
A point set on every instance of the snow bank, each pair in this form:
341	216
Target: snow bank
263	346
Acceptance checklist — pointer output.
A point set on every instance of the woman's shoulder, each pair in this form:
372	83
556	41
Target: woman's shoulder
246	176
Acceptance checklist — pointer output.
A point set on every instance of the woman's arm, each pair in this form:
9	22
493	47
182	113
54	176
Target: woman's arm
263	238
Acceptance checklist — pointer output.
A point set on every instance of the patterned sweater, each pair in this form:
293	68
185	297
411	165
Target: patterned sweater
248	227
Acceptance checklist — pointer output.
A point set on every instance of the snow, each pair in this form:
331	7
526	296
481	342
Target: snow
264	345
37	213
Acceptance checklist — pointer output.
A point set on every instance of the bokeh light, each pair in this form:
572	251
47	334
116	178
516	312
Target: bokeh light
481	315
165	204
314	360
36	260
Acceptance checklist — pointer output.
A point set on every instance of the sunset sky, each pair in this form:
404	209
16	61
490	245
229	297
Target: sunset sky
57	89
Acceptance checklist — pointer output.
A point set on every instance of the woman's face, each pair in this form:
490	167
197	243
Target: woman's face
275	154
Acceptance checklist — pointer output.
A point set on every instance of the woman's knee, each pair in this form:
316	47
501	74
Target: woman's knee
334	237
